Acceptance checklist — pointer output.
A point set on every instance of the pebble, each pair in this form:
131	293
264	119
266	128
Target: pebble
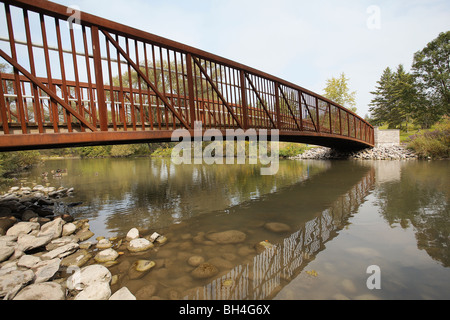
380	153
54	243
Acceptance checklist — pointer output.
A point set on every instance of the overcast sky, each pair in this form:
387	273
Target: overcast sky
304	42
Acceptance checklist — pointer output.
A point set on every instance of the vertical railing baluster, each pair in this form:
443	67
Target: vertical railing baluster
244	100
3	111
64	89
36	104
190	77
277	105
19	99
317	115
101	101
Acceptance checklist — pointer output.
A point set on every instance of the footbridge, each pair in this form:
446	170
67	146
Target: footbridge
69	78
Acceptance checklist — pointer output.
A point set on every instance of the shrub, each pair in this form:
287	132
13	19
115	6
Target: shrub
434	144
13	162
291	150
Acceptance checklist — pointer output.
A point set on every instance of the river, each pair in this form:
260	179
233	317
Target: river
346	229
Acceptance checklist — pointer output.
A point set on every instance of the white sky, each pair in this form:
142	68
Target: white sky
304	42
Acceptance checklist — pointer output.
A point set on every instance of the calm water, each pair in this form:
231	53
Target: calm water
343	217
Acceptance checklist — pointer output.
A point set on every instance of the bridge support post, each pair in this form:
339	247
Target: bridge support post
101	100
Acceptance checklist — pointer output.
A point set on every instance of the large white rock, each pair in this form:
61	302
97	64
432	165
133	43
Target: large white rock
106	255
14	281
133	234
96	291
68	229
22	228
87	276
28	242
53	228
28	261
6	252
42	291
123	294
61	252
138	245
45	270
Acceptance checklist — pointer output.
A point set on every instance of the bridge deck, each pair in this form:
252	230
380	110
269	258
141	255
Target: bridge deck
70	78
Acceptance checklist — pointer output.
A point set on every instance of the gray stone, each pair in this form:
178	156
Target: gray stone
61	252
59	242
50	291
6	252
28	261
23	228
27	242
15	280
45	270
52	228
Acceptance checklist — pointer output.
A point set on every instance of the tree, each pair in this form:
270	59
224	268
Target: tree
337	90
380	105
431	69
396	98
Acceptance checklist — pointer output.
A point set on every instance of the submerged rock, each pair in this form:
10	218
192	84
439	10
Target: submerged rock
140	268
205	271
277	227
227	237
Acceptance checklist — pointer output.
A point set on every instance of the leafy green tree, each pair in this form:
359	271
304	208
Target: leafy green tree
337	90
431	68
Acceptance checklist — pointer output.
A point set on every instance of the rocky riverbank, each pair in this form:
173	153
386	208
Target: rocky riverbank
46	256
380	153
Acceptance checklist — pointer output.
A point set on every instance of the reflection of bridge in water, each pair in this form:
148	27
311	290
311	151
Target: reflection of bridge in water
262	278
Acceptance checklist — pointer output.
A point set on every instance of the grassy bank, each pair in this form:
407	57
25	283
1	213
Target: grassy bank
432	144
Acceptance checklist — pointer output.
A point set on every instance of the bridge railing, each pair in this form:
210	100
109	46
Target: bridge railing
64	71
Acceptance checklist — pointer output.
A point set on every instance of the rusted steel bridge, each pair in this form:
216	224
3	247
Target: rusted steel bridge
71	79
